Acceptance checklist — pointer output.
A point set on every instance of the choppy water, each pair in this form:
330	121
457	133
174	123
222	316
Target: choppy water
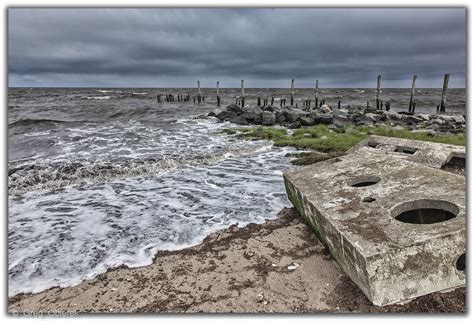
104	177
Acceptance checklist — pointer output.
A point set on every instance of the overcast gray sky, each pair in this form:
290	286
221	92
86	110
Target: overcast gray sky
266	47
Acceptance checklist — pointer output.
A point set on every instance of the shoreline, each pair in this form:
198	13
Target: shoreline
278	266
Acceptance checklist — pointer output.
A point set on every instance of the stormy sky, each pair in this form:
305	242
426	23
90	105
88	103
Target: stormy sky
266	47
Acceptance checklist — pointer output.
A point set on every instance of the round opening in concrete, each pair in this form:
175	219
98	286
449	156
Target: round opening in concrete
364	181
425	211
461	262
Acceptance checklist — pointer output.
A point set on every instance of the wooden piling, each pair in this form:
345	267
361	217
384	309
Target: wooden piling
339	104
242	94
412	96
316	94
292	93
217	94
377	92
258	102
443	95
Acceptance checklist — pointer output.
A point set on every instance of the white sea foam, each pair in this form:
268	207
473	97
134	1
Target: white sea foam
59	239
97	97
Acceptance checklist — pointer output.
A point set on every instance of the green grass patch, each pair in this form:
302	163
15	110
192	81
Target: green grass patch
454	139
332	142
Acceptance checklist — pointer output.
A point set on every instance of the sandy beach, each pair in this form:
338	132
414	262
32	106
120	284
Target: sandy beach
278	266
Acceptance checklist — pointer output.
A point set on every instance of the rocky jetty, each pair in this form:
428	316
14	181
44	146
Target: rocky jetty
291	117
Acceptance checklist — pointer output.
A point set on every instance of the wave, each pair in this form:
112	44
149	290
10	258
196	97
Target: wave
33	121
26	178
97	97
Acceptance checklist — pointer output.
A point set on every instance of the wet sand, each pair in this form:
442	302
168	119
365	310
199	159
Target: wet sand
278	266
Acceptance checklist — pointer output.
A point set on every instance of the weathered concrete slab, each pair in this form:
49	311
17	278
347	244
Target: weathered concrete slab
425	153
388	256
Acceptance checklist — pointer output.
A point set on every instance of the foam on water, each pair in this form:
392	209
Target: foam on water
120	150
61	238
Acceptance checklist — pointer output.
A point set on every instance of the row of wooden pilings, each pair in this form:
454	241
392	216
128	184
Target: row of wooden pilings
379	103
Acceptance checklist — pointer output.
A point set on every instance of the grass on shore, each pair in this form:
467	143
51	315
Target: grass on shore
325	143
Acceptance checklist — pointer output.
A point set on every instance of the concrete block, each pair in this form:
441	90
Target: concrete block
395	226
425	153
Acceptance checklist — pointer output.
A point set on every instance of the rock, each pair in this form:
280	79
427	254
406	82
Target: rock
295	124
320	118
306	121
215	112
341	121
223	114
234	108
458	119
239	120
293	114
268	118
398	127
281	118
447	127
307	135
436	121
425	117
445	118
326	109
433	127
252	114
363	119
374	117
343	112
412	119
393	115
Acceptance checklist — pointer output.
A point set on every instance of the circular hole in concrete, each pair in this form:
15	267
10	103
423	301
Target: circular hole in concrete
461	262
365	181
425	211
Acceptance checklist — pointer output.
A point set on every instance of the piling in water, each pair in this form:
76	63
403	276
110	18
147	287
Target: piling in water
411	108
377	92
292	92
442	107
242	94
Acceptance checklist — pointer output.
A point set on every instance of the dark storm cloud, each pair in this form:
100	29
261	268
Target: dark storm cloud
174	47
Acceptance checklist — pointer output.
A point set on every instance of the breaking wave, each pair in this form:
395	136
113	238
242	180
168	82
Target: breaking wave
35	121
31	177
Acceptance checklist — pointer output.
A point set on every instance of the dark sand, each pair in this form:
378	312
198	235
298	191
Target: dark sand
234	270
